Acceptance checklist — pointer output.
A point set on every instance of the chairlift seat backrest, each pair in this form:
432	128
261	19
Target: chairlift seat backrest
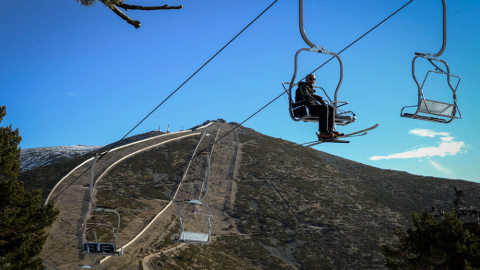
90	247
105	249
436	108
298	109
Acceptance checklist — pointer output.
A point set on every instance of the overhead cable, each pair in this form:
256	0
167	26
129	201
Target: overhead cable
178	88
201	151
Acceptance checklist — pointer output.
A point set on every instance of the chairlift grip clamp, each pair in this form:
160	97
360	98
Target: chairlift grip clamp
431	56
319	49
428	56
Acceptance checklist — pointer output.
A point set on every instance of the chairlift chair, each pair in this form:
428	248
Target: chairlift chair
431	110
96	247
195	223
195	218
299	112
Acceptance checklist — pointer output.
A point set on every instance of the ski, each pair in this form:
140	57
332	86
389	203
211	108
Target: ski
325	141
364	131
336	140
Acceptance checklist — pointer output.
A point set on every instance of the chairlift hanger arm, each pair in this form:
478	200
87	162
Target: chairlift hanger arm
300	24
314	48
444	44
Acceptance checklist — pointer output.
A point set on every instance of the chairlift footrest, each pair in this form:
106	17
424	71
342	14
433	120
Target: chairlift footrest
423	117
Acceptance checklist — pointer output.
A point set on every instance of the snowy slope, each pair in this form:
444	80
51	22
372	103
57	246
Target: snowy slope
36	157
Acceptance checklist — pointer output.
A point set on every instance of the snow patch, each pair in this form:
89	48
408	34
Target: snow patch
32	158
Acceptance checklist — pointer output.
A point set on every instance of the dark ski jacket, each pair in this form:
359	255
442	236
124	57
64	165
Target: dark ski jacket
306	94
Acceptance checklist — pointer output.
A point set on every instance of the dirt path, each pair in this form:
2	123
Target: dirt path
146	260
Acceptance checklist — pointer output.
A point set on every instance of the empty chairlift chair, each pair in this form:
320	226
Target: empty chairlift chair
195	217
100	223
104	229
195	223
431	110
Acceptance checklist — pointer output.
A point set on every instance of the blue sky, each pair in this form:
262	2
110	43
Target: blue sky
71	75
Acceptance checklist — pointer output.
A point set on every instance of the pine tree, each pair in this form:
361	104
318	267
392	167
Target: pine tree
430	244
9	151
23	218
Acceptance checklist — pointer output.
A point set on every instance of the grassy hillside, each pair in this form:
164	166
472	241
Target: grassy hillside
276	205
299	208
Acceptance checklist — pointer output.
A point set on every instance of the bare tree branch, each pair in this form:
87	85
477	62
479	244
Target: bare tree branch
127	6
115	5
122	15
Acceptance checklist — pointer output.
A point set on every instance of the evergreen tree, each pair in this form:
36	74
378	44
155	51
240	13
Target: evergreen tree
23	218
429	244
9	151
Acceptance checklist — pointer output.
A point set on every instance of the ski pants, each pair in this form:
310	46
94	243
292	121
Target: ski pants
326	114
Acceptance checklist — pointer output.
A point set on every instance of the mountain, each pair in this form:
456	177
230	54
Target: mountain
273	204
32	158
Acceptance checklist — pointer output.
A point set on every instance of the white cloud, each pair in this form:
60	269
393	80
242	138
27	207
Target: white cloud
440	168
427	133
446	147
